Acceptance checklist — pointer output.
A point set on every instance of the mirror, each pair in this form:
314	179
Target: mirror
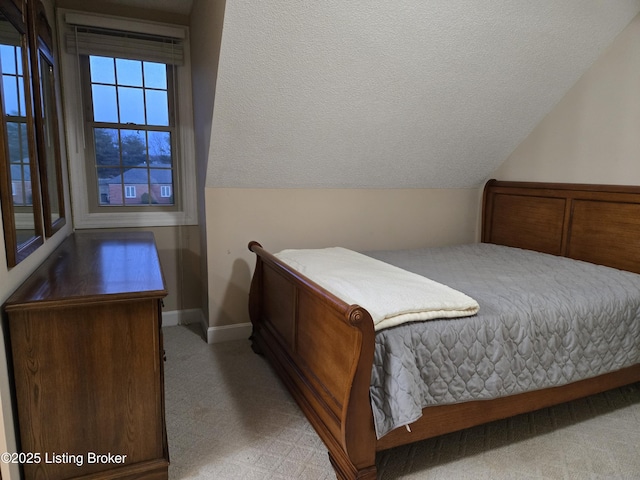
53	201
20	185
47	133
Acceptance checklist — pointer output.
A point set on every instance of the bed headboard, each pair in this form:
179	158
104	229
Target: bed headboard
595	223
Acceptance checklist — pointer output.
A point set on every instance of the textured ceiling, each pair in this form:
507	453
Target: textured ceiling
392	94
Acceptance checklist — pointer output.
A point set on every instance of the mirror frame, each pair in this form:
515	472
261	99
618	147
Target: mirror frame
16	252
50	168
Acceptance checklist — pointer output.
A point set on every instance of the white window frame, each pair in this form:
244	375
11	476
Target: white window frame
129	191
185	180
165	191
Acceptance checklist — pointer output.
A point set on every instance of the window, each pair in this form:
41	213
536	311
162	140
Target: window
131	128
130	132
16	123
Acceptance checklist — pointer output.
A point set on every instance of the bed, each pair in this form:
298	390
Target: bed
323	348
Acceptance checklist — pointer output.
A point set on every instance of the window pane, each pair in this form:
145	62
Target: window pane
14	136
131	105
17	184
12	80
161	182
26	199
8	59
157	108
107	147
102	70
129	72
28	195
104	104
10	94
22	108
133	147
16	173
24	136
155	75
19	59
18	142
109	187
137	180
159	148
130	191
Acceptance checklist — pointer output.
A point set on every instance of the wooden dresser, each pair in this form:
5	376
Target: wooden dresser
87	359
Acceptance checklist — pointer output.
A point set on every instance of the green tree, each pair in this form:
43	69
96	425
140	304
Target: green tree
18	141
107	152
134	150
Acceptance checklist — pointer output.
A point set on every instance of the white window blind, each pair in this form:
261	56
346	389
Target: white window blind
88	35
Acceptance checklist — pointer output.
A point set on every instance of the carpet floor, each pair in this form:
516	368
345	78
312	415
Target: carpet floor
229	417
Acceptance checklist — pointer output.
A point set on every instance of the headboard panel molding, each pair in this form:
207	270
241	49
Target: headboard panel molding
595	223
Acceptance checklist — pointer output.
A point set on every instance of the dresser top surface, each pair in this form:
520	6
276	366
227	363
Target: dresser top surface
90	266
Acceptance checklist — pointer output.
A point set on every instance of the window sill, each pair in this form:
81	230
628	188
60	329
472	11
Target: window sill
133	219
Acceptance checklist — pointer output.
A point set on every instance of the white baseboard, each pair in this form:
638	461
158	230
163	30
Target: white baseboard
226	333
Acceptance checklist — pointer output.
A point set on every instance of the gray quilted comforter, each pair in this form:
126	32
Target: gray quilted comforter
543	321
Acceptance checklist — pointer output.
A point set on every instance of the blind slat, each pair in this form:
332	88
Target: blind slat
107	22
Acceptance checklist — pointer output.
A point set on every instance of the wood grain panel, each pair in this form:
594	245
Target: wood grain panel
86	359
325	347
530	222
79	380
615	243
279	311
90	265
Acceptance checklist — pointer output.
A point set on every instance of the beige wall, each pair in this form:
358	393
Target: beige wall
207	17
593	134
360	219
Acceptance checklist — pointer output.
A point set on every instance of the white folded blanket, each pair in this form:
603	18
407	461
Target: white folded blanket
390	294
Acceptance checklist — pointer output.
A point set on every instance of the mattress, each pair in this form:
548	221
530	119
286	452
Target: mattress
544	321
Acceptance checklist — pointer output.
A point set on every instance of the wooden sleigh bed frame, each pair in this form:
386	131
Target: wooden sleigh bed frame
322	348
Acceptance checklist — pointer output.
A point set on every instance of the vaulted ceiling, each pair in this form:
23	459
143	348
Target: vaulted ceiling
390	94
393	94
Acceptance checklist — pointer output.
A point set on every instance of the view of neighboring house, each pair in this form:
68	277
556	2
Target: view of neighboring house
140	185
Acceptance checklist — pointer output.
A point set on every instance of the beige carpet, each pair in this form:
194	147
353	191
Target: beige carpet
228	417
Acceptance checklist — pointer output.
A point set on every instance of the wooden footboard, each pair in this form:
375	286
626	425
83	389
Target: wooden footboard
322	349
